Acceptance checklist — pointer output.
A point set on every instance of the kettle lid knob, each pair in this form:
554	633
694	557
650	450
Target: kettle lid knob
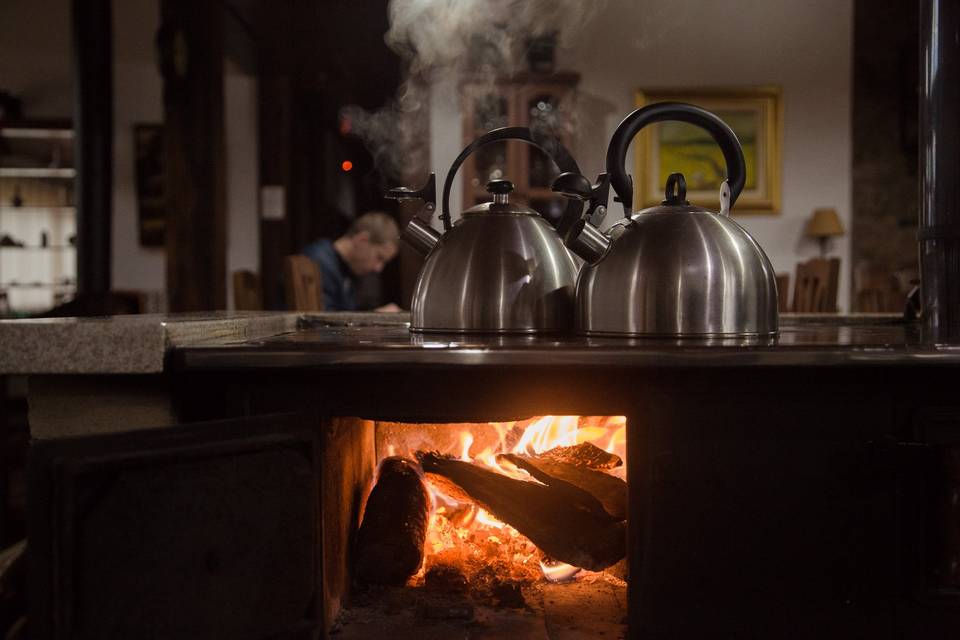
500	190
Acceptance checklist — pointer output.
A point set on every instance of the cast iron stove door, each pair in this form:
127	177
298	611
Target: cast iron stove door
201	531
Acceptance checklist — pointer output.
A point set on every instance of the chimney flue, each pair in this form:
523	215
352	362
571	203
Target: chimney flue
939	232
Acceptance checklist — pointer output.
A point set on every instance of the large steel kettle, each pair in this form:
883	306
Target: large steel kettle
500	268
673	270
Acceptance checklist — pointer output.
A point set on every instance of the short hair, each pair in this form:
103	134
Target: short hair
381	227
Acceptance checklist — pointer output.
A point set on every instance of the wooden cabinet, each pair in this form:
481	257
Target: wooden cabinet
37	217
542	102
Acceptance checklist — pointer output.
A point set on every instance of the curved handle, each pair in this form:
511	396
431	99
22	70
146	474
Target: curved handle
659	112
549	145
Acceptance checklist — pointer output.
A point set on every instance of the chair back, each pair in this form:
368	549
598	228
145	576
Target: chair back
302	283
878	289
783	292
815	289
247	292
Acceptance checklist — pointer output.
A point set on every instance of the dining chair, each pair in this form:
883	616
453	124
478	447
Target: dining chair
302	284
247	292
783	292
816	284
877	289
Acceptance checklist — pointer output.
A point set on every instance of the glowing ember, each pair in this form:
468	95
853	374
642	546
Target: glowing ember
468	538
558	571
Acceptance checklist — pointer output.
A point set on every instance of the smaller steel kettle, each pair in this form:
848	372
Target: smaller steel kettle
673	270
500	268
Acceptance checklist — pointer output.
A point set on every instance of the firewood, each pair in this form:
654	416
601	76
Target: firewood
584	455
563	520
610	490
394	528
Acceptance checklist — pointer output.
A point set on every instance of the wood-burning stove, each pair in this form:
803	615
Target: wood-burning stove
798	489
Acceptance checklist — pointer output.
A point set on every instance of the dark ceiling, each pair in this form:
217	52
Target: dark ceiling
336	47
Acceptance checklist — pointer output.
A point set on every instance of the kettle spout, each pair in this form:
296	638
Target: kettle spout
420	235
587	241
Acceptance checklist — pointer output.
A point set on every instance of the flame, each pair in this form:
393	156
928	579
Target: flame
558	571
466	439
453	525
485	518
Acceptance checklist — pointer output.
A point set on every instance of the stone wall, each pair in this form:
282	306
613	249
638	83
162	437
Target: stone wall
885	122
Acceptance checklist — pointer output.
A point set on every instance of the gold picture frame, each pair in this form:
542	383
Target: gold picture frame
756	116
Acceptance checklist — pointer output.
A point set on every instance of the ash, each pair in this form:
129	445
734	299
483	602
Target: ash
443	604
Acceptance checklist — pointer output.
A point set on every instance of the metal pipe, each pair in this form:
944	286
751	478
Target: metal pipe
939	232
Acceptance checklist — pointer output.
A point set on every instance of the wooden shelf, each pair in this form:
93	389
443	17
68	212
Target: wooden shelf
36	133
36	172
35	285
38	209
57	247
37	169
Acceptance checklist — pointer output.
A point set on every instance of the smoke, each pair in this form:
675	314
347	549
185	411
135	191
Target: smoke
479	39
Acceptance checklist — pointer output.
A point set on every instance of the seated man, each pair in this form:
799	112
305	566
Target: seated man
368	245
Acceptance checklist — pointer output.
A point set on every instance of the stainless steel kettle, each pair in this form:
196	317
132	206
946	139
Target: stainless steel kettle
674	270
500	268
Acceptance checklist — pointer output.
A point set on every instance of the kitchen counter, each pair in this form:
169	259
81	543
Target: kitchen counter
369	341
237	341
126	344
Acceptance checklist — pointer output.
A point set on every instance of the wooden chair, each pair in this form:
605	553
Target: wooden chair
302	284
783	292
878	290
247	292
815	289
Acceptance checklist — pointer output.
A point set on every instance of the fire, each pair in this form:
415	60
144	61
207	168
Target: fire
462	533
558	571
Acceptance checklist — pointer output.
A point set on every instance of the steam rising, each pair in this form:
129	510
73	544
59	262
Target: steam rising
482	39
467	35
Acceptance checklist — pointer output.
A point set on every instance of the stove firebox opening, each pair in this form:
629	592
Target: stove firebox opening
494	524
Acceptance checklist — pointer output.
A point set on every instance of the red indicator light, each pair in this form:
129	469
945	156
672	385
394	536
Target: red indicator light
346	165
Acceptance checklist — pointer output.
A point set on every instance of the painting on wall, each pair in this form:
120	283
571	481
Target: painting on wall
755	115
151	210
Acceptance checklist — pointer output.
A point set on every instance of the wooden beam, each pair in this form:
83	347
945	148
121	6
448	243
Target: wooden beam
191	60
93	112
275	128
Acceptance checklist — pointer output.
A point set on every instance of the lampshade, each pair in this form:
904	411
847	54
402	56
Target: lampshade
824	223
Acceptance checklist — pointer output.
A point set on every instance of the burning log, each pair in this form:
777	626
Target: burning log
563	520
391	536
585	455
609	490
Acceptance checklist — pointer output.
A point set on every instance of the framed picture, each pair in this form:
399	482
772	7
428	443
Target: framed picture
755	115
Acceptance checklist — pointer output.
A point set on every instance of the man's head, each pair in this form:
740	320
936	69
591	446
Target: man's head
370	243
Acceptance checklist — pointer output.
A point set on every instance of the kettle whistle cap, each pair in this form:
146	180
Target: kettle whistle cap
500	190
675	192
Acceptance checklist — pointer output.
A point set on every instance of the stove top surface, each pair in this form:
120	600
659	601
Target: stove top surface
374	340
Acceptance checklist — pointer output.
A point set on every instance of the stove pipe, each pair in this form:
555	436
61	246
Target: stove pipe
939	232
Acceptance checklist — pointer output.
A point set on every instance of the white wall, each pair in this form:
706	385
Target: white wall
243	176
138	99
804	46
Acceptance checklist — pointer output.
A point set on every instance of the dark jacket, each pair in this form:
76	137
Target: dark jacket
338	284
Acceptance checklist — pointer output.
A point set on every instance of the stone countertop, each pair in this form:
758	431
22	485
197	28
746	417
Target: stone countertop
371	341
124	344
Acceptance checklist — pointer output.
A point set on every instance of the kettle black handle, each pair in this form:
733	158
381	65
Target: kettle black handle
548	144
659	112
